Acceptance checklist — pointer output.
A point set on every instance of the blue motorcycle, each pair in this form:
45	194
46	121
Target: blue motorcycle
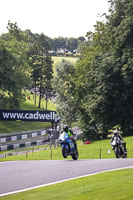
68	147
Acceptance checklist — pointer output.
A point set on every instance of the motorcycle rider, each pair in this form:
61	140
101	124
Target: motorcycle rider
116	134
70	134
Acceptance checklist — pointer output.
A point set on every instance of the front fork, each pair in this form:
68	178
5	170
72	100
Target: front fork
66	146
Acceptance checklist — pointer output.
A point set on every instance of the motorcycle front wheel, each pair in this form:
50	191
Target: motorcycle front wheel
117	152
64	152
75	155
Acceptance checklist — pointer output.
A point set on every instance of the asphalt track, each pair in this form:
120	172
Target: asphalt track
23	175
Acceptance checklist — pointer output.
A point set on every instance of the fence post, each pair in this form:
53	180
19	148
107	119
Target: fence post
51	154
100	153
26	154
50	143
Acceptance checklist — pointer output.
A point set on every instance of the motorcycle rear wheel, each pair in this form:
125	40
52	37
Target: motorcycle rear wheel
124	155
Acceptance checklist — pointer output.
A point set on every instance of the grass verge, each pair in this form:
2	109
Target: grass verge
105	186
96	150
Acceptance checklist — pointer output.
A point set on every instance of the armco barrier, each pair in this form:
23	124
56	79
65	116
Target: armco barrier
9	141
22	135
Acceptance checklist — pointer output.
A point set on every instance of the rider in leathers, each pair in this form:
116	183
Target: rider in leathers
70	134
116	134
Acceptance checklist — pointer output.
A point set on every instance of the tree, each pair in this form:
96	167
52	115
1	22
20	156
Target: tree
64	88
6	62
35	72
42	71
69	44
15	54
121	22
72	44
105	71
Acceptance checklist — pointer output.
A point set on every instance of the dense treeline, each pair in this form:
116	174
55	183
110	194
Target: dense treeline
67	45
25	64
62	45
98	91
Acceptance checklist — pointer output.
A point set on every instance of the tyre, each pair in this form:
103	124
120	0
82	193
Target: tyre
125	155
117	152
75	155
64	152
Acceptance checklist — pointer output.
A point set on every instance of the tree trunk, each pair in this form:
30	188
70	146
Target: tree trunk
35	94
40	97
46	103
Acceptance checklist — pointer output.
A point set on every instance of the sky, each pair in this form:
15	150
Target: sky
54	18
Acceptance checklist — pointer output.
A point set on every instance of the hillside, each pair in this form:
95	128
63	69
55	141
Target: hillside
18	126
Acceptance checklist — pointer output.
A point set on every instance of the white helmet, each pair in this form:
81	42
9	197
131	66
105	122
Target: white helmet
115	132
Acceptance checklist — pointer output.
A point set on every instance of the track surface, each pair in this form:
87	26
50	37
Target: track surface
19	175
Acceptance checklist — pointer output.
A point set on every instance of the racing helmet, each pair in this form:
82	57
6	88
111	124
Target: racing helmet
65	128
115	132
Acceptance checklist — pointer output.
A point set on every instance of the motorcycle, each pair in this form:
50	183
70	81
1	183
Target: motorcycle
119	148
68	146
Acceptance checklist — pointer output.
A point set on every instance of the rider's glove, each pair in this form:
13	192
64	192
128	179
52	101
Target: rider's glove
71	137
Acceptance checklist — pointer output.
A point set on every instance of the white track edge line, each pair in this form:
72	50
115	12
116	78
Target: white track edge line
47	184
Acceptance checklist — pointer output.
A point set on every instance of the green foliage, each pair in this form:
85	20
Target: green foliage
97	91
105	76
102	95
68	44
14	67
64	87
42	70
24	60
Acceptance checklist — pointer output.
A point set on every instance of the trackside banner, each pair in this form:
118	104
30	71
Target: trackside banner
28	115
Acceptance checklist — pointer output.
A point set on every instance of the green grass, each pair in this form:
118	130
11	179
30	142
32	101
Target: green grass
95	150
29	104
104	186
58	59
18	126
